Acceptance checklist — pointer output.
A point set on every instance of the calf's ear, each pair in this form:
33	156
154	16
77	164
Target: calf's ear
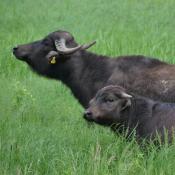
125	103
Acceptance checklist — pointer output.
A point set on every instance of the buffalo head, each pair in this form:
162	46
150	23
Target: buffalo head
43	56
107	105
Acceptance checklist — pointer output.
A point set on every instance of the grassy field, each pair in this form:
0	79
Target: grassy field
41	126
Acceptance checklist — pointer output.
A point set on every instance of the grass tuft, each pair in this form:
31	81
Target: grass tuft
41	128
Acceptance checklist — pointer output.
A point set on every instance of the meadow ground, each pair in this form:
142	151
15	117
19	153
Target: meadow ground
41	126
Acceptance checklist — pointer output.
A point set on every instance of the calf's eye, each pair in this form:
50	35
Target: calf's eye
109	100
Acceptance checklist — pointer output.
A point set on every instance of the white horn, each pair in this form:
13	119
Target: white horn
87	46
61	47
125	95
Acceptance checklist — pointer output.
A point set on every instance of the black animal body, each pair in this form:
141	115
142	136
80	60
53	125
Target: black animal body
58	56
113	106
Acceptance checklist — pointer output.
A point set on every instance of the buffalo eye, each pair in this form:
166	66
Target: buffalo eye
109	100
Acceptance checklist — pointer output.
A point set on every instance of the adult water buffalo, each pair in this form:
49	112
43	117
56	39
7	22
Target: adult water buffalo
58	56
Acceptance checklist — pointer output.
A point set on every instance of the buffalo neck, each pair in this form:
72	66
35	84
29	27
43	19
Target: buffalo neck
138	114
84	73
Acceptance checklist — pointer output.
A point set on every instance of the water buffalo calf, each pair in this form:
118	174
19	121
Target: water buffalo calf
113	106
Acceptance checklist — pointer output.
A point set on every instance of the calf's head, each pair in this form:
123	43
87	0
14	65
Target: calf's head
107	105
49	53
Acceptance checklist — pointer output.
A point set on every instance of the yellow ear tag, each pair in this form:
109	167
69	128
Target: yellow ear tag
53	60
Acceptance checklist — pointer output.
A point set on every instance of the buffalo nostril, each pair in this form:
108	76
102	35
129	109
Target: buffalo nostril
15	48
88	114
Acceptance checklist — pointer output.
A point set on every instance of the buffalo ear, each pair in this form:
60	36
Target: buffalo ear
52	60
52	57
125	103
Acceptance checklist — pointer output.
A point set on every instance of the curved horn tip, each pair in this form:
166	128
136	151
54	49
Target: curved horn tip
125	95
87	46
61	47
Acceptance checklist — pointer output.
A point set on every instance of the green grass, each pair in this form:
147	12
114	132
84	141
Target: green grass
41	126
